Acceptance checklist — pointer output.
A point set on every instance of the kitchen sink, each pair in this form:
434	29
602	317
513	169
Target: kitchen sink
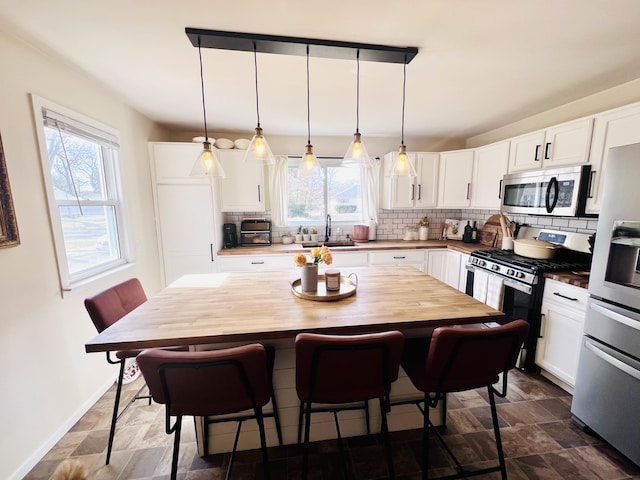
336	243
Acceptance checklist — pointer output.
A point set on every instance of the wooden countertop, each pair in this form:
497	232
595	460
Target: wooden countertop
279	248
581	281
230	307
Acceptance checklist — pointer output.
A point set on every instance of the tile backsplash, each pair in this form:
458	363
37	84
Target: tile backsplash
392	223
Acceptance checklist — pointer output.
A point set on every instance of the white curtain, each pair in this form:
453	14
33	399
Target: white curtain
371	190
278	191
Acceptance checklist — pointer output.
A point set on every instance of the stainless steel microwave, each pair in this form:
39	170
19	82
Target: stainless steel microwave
561	192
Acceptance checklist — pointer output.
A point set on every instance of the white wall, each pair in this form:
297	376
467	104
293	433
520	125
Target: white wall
46	378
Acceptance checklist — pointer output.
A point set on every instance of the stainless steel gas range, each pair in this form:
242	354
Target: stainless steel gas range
521	280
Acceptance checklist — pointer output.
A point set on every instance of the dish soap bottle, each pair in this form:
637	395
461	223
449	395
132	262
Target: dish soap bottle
466	236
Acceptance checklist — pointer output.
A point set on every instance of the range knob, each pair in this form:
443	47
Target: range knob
519	275
482	263
495	268
510	272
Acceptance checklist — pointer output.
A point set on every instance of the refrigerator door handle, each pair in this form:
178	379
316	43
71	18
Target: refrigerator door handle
614	362
629	322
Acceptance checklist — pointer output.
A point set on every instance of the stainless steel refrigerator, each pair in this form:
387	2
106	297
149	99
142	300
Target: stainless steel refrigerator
607	392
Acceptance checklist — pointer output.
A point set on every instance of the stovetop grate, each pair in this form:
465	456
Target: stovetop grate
566	260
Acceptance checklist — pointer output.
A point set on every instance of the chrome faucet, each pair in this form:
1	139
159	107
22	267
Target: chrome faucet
327	228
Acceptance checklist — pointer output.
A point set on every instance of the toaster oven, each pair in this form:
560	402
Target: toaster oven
255	231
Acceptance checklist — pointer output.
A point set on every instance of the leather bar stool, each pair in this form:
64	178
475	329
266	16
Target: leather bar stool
343	371
105	309
459	359
209	383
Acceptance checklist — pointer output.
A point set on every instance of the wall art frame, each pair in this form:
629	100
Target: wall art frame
8	224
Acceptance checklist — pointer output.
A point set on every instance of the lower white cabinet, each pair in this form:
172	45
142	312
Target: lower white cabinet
448	266
349	259
562	320
415	257
255	263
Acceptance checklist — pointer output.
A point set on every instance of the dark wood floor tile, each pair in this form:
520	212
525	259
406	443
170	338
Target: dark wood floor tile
537	439
470	399
188	450
618	459
208	474
219	460
511	396
466	452
369	462
404	460
597	462
94	442
483	444
563	463
461	421
524	413
557	407
97	470
563	434
535	467
88	421
483	415
453	403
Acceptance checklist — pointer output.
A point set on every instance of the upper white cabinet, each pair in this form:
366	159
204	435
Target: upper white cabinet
490	163
456	175
185	214
243	190
419	192
564	144
613	128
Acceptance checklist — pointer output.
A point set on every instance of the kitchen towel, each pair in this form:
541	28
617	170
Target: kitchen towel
495	292
480	284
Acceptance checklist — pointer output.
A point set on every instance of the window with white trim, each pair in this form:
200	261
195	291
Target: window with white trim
329	189
80	165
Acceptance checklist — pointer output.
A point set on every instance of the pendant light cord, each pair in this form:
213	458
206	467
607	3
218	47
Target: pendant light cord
255	69
404	87
204	110
358	92
308	103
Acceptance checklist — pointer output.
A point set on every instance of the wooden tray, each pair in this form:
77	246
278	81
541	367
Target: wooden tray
347	288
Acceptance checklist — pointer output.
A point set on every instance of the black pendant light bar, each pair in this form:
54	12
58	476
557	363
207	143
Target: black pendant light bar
252	42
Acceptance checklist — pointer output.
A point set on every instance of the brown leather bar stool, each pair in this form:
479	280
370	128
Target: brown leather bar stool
215	382
105	309
459	359
343	371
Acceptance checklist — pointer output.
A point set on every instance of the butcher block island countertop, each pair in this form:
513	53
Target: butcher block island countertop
233	307
278	248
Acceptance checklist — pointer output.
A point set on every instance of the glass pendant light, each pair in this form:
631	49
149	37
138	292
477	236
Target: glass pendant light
309	161
402	166
258	150
207	163
357	155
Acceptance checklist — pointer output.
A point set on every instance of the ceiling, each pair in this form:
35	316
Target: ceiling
481	63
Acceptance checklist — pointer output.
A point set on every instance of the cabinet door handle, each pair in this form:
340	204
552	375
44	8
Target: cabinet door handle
256	263
590	189
468	190
542	319
500	191
546	150
211	249
564	296
259	199
419	191
535	157
413	191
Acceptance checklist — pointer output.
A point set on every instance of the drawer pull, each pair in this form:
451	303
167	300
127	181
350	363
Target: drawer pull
399	258
256	263
564	296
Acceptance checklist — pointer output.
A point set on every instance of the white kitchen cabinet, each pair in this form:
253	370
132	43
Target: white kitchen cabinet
561	145
349	259
186	220
455	177
613	128
414	257
448	266
405	192
490	164
255	263
562	320
243	189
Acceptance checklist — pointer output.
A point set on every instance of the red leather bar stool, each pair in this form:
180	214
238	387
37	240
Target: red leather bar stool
341	372
210	383
105	309
459	359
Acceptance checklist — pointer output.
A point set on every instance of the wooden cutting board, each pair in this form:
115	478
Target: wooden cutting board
492	228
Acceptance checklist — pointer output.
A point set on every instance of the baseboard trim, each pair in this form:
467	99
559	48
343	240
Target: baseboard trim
39	454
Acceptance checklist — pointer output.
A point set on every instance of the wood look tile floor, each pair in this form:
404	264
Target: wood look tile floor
540	442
